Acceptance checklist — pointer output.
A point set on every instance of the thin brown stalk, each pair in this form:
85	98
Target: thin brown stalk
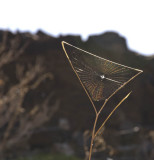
112	113
78	77
93	136
94	132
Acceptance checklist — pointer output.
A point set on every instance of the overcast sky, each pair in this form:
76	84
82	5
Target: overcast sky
133	19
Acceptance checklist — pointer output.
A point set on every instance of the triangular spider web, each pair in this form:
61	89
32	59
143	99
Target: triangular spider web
99	77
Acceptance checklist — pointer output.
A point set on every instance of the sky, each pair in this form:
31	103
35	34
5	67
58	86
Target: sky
132	19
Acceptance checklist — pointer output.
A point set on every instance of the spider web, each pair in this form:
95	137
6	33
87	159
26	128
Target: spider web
100	77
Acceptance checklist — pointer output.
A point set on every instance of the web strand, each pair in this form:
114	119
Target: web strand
99	76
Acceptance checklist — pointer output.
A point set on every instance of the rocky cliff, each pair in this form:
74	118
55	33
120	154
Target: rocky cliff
42	102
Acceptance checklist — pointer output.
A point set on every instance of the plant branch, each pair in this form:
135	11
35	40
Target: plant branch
112	112
93	136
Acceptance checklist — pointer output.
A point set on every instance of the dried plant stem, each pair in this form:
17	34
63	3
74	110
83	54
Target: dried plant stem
90	96
94	132
93	136
112	113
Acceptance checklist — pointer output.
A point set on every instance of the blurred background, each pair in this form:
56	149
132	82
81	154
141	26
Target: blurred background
44	112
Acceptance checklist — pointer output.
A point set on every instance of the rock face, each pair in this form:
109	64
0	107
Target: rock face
38	88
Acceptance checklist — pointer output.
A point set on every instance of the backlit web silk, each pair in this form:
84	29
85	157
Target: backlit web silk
99	76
